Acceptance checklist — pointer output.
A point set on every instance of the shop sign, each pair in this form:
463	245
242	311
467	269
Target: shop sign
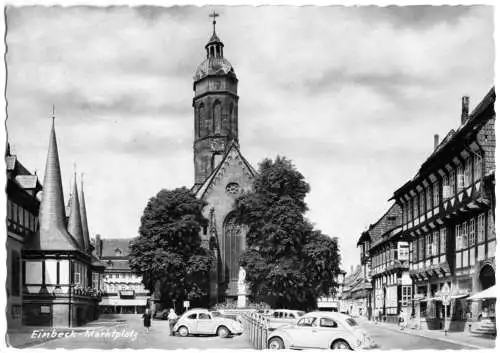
186	304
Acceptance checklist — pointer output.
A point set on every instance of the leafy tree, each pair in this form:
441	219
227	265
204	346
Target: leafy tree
168	249
288	263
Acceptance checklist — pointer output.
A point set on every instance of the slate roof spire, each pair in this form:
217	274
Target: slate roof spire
83	215
52	233
75	220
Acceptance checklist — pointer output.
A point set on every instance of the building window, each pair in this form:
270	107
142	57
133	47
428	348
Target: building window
421	248
468	172
408	211
415	207
446	188
453	181
428	244
465	235
478	167
406	296
458	237
442	245
76	278
422	202
16	273
20	215
472	232
428	193
435	194
491	226
460	178
480	228
435	243
9	210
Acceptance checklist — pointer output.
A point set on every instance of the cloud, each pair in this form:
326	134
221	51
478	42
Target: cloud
353	95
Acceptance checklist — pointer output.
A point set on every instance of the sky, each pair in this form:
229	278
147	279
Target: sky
352	95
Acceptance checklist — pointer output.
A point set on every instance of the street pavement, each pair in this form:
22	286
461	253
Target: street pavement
132	334
127	331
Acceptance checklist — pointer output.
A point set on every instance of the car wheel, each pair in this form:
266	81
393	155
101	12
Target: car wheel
183	331
341	344
276	343
222	332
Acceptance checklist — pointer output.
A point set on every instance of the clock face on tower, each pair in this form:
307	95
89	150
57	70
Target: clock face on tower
217	145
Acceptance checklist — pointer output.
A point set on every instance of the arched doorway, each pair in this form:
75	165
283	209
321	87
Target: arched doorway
487	277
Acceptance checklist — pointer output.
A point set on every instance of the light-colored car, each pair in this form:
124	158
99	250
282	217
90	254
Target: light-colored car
321	330
202	322
280	317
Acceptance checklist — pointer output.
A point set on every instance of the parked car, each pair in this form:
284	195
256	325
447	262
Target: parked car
217	313
281	317
203	322
321	330
161	315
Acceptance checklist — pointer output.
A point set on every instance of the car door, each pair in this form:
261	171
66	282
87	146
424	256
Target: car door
302	334
191	322
205	323
326	331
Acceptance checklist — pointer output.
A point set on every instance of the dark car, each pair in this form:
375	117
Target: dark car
161	315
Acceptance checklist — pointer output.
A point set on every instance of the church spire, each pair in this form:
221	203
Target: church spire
52	233
214	45
75	220
83	215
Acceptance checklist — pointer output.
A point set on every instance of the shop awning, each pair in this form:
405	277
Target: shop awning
489	293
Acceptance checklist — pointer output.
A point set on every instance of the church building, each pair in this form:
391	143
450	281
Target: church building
221	172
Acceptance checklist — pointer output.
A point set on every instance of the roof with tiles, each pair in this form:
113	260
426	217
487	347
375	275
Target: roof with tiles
75	220
391	220
83	215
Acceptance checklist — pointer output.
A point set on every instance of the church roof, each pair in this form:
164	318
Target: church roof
52	233
214	66
232	146
75	220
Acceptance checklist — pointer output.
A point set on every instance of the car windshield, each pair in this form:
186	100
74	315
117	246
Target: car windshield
300	313
351	322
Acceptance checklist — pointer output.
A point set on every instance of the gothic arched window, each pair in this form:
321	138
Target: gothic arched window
200	118
217	117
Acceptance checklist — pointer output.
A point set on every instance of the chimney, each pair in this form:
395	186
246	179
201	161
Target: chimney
465	109
436	141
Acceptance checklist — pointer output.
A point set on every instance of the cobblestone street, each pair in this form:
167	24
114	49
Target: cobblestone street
115	336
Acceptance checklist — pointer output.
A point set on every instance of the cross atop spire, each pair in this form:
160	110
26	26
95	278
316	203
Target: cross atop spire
214	15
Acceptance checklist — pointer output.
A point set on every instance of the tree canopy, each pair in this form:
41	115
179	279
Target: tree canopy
168	251
288	263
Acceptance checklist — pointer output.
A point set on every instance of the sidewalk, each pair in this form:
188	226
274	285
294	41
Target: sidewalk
29	336
462	338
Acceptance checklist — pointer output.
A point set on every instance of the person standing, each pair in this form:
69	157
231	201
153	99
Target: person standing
146	317
172	319
401	320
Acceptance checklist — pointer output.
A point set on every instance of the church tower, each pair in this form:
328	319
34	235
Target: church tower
215	105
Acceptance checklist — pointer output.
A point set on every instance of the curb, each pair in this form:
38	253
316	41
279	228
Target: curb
448	340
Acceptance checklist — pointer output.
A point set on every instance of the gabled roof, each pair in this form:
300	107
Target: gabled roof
233	146
52	234
83	215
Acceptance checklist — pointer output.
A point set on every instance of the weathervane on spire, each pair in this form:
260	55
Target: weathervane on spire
214	15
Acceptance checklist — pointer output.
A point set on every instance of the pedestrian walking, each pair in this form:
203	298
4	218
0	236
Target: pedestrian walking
402	321
172	320
146	318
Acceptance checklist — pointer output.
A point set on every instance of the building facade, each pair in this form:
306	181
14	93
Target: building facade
53	272
22	221
221	171
448	219
124	292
